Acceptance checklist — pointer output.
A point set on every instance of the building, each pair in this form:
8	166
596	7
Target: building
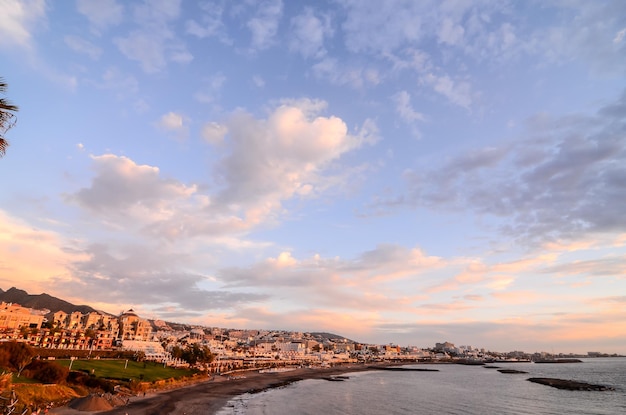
14	316
132	327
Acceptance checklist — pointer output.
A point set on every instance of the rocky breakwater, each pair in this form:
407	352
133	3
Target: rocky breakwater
511	371
571	385
402	369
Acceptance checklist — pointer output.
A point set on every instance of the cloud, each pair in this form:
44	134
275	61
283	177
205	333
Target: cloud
355	326
378	27
212	89
18	19
125	192
308	34
457	92
211	24
402	100
101	14
145	48
524	297
450	33
115	80
293	153
214	133
279	158
574	333
154	42
174	122
264	25
593	41
21	243
338	73
83	46
147	274
258	81
376	281
562	180
612	267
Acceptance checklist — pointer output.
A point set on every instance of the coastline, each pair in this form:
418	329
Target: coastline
209	396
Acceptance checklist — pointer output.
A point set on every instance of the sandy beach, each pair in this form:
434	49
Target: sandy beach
209	396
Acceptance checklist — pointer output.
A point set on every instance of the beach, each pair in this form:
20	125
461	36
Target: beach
208	397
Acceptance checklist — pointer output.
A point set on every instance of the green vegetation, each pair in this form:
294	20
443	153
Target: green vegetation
23	379
7	117
126	369
41	395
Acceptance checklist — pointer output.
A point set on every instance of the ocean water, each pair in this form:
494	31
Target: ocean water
455	389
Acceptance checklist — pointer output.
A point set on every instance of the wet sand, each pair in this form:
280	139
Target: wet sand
210	396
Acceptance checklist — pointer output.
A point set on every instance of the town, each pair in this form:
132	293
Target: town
230	349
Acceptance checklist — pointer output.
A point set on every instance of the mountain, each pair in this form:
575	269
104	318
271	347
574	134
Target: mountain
41	301
48	302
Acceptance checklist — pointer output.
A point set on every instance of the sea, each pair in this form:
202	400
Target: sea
454	389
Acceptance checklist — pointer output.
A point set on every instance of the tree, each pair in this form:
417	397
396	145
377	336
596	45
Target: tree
7	117
20	355
194	354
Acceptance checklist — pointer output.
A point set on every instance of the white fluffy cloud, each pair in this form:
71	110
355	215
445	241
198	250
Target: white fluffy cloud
275	159
263	163
17	20
172	121
125	193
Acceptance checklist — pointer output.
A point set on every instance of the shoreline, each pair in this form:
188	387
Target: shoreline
211	395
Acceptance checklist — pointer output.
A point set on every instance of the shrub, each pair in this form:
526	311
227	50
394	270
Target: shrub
92	382
47	372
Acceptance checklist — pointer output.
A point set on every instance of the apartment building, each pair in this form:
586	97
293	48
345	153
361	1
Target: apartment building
14	316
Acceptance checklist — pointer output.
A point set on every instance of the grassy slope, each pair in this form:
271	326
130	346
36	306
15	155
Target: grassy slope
38	394
120	369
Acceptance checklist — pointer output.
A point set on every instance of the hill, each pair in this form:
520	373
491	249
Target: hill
330	336
41	301
54	304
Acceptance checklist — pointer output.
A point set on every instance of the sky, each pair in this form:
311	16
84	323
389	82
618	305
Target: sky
404	172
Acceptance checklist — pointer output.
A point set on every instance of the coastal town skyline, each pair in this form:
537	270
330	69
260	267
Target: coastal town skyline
394	172
82	328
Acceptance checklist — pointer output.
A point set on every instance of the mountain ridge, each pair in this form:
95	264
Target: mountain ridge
54	304
42	301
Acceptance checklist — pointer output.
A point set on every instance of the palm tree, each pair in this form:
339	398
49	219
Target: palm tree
7	117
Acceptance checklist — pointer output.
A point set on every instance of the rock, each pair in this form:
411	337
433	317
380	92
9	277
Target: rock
571	385
402	369
559	361
513	371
